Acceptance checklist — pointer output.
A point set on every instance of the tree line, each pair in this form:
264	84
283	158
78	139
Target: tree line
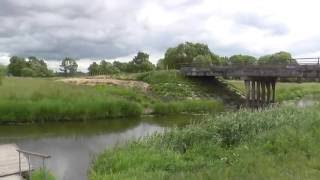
174	58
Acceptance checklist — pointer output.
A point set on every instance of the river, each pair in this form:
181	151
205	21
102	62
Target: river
74	145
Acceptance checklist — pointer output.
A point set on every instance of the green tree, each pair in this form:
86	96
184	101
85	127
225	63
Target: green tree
140	63
34	67
224	60
28	72
242	59
94	69
121	66
281	57
16	65
186	53
161	65
108	68
39	67
68	66
3	71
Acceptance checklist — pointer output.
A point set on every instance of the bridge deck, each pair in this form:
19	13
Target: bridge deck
298	71
9	161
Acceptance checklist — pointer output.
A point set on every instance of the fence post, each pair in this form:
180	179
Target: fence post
29	167
20	165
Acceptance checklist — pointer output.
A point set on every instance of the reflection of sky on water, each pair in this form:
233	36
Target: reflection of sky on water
72	155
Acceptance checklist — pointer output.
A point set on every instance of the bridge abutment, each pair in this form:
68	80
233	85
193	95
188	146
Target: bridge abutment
260	91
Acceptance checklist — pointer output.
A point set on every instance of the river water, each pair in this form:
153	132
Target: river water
74	145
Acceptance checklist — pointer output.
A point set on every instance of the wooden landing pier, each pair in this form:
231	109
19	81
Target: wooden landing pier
9	162
14	163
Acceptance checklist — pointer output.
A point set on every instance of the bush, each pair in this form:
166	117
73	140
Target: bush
42	174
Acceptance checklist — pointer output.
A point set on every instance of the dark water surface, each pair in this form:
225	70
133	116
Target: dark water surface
73	145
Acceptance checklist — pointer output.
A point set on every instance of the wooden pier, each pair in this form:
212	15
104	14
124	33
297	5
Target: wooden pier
9	162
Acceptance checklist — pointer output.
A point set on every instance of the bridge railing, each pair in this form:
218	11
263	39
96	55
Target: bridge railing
37	155
308	61
292	62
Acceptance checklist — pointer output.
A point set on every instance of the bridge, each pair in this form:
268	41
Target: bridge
260	80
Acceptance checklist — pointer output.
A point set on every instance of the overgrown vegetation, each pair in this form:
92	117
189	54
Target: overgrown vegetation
279	143
188	106
140	63
27	100
33	67
42	174
32	100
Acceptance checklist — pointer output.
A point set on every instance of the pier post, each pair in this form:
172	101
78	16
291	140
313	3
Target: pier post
247	85
273	85
258	93
268	91
263	94
253	93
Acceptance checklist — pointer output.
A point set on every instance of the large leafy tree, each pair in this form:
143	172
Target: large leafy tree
30	67
140	63
122	66
39	67
108	68
16	65
93	69
68	66
281	57
188	52
242	59
3	70
102	68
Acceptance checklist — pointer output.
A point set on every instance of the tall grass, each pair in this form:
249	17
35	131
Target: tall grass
279	143
42	174
32	100
188	106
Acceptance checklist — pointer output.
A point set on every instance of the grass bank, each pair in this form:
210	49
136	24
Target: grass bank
188	106
28	100
285	90
34	100
279	143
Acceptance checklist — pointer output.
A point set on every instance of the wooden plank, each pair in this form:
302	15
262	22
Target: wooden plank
9	160
12	177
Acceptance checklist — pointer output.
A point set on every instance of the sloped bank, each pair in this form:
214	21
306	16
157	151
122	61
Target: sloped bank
277	143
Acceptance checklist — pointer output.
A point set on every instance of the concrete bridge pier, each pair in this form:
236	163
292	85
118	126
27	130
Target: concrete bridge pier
260	91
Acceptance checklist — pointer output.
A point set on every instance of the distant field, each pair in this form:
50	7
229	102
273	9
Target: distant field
287	91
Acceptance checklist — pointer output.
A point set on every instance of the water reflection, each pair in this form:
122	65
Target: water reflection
73	145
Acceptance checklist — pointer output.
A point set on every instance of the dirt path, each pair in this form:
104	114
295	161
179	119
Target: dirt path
103	80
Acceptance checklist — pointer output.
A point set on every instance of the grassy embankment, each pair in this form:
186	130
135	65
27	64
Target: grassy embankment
32	100
25	100
179	94
279	143
287	91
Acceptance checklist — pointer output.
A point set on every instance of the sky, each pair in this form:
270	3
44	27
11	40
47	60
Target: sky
90	30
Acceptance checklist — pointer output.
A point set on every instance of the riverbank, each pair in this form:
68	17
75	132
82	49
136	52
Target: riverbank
277	143
32	100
